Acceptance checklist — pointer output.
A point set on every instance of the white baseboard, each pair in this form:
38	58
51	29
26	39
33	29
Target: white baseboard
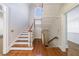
63	49
5	52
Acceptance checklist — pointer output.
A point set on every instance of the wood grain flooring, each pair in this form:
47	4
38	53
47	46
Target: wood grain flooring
73	49
38	50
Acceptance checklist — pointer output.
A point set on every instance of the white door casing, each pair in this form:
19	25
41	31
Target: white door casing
5	29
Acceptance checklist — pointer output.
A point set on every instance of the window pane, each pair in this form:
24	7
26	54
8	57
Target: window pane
38	12
37	21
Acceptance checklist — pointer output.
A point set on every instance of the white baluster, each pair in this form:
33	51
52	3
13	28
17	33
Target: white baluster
29	38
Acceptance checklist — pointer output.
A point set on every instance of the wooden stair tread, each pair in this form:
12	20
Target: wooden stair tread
20	45
21	41
22	37
24	34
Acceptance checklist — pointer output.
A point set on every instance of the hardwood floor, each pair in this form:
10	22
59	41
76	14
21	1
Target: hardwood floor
38	50
73	49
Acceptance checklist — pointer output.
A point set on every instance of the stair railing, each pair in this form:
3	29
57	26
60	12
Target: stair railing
52	39
47	41
30	34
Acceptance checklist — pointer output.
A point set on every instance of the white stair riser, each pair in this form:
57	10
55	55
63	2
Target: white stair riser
22	39
22	43
19	48
23	35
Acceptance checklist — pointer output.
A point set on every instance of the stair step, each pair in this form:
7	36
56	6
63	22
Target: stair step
28	48
20	45
22	37
21	41
24	34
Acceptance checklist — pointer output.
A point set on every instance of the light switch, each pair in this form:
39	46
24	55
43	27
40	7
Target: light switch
12	30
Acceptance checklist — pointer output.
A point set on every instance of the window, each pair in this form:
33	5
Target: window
73	20
38	12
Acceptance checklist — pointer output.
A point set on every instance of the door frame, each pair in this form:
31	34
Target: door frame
5	29
65	17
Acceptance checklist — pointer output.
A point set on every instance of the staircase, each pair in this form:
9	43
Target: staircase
23	40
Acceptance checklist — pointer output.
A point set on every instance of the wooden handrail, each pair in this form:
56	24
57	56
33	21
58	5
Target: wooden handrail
30	29
52	39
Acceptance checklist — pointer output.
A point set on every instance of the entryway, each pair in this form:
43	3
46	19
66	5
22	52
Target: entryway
1	29
73	31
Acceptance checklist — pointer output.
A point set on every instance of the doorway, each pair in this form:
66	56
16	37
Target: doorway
1	29
73	31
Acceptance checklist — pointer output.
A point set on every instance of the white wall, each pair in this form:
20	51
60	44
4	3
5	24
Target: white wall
18	19
51	9
51	22
31	19
52	13
73	25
